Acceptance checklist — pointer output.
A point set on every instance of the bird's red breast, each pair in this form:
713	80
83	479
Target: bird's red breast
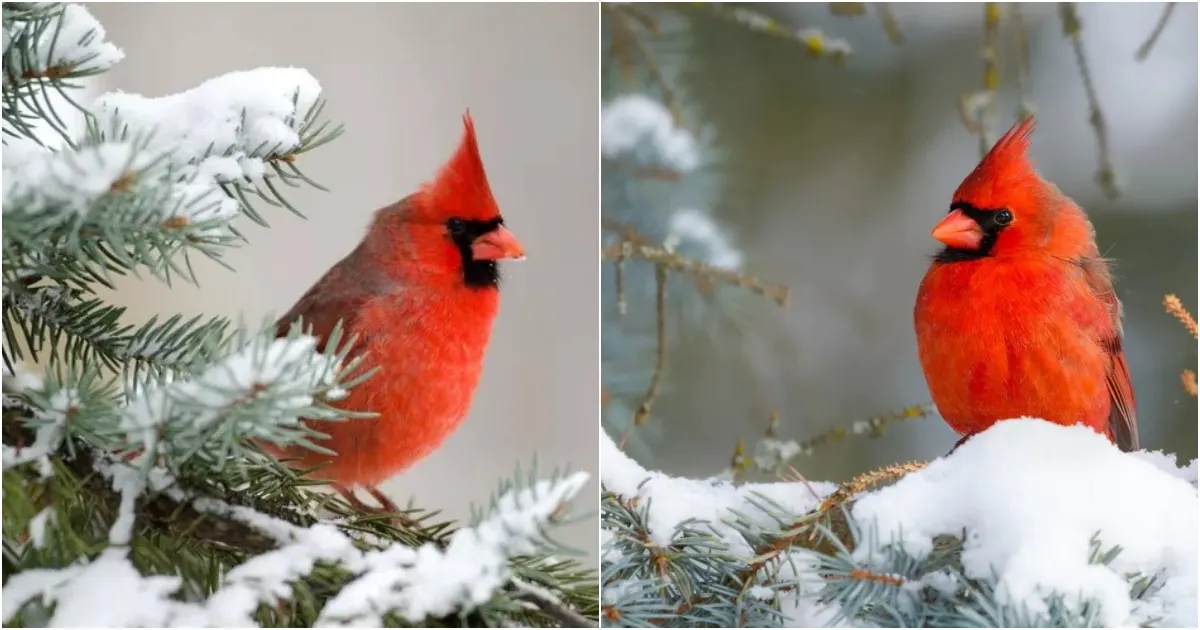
420	292
1017	316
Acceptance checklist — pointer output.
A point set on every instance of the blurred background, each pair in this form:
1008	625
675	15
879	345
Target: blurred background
399	76
828	176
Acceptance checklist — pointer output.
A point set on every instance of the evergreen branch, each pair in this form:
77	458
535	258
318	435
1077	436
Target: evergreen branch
1106	175
47	47
56	323
1143	51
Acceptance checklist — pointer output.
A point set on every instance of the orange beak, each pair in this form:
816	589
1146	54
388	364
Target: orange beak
959	231
499	244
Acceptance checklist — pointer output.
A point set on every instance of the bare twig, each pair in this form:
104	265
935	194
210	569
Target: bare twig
660	361
674	262
890	25
871	427
1143	51
978	109
817	43
626	20
847	9
1189	382
1175	307
1025	106
1105	174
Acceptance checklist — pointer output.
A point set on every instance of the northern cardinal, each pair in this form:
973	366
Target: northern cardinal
1017	316
420	292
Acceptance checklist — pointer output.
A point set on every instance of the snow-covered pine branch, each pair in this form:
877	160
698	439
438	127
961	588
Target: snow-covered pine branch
1028	523
259	391
384	579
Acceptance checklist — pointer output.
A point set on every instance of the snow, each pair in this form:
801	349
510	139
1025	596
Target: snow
417	583
71	181
1031	495
38	526
414	583
48	435
224	127
672	500
698	228
80	45
637	122
287	370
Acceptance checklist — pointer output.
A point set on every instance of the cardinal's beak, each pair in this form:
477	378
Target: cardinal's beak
959	231
499	244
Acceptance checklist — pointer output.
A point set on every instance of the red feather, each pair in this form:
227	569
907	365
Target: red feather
1032	325
401	291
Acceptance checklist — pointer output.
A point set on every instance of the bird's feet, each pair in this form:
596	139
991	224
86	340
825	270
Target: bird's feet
386	505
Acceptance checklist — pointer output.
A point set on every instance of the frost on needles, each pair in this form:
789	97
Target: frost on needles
1026	524
135	494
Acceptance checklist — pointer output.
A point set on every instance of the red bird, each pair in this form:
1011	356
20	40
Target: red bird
1017	315
420	292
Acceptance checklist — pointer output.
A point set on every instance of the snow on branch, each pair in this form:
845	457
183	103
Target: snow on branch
53	43
412	583
1026	523
1031	495
259	392
239	129
423	582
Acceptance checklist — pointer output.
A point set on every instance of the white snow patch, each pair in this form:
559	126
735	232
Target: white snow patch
73	40
629	121
417	583
287	369
1032	494
698	228
674	500
38	526
223	128
414	583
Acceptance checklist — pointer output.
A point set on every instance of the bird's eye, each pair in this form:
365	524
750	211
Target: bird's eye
456	226
1004	217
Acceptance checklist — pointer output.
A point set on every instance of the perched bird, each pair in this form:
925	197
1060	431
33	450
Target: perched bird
1017	316
420	292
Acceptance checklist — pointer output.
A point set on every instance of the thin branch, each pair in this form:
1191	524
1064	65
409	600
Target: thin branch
625	32
1025	106
1175	307
815	42
890	25
1105	174
1143	51
978	109
674	262
660	361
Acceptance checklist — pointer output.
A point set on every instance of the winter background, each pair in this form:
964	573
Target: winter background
828	178
399	77
725	141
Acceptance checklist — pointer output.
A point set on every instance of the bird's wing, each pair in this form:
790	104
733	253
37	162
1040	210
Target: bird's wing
337	297
1122	415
